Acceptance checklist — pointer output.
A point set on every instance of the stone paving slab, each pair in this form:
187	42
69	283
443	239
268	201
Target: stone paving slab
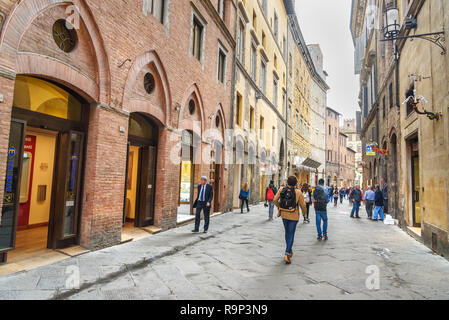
241	258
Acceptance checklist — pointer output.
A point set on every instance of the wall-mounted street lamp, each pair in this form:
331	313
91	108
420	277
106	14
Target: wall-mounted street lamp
391	23
392	29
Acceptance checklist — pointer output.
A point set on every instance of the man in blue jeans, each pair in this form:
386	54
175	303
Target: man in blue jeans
356	199
320	200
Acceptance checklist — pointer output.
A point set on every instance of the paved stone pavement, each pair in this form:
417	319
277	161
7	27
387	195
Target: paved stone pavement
241	258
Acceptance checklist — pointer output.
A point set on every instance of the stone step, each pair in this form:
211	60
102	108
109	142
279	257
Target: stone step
152	229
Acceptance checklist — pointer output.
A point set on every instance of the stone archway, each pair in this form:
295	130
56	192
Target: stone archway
147	88
89	78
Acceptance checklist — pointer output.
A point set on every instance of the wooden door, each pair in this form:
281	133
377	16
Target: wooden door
147	187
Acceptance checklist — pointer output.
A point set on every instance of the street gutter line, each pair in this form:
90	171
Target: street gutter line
140	264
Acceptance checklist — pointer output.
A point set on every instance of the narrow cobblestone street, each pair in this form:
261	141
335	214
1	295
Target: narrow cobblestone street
241	258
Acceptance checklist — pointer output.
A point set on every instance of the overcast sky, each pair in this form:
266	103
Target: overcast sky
326	22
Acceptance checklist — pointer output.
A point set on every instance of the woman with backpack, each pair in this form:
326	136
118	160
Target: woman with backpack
307	193
244	196
288	200
270	192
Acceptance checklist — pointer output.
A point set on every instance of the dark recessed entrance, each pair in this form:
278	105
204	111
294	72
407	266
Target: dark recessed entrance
140	185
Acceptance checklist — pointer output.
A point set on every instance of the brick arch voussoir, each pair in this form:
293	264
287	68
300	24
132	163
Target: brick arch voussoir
149	57
193	90
21	17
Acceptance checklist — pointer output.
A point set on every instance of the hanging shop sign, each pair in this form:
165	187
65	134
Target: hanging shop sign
369	151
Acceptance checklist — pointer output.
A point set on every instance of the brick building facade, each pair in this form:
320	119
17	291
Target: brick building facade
120	64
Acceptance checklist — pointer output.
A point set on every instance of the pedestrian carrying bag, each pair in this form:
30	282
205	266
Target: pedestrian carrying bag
270	194
287	200
321	200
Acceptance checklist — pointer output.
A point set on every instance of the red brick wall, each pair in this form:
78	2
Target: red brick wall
110	33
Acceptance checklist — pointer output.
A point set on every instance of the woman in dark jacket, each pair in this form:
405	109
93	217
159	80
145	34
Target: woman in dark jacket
307	193
378	202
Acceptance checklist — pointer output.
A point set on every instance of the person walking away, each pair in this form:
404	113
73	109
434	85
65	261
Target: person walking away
270	192
244	196
342	195
330	192
385	195
356	199
203	203
335	193
307	194
378	202
369	202
288	200
320	200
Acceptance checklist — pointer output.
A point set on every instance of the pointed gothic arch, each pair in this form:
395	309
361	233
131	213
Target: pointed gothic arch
19	22
135	101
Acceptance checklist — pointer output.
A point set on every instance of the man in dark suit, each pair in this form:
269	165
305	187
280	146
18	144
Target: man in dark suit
203	202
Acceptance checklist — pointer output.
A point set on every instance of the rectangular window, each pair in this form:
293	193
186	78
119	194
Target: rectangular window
289	114
221	10
273	136
221	66
197	40
276	23
251	118
241	42
275	92
301	128
290	64
284	48
238	110
261	127
263	76
264	40
330	130
297	121
284	104
383	107
254	20
156	8
390	93
253	62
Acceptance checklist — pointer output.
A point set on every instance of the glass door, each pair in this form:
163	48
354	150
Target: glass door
9	214
147	187
64	220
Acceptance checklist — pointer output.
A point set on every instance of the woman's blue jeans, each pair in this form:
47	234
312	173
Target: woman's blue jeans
290	229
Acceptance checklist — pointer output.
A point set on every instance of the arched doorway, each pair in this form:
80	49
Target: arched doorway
216	170
252	172
42	207
393	173
141	171
239	176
